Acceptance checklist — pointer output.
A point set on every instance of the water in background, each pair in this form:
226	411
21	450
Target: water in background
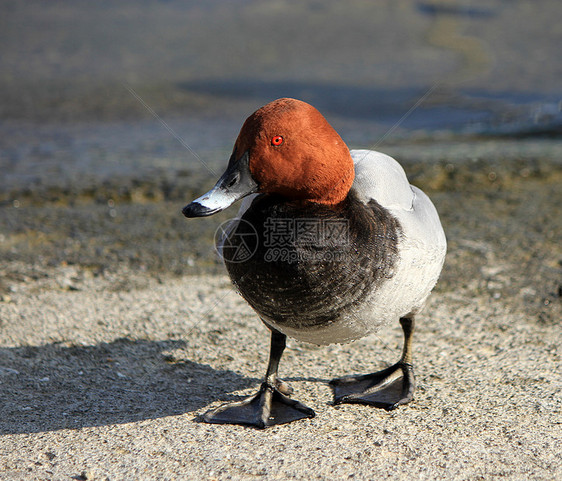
96	92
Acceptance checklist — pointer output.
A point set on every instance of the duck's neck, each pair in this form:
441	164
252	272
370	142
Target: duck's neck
333	192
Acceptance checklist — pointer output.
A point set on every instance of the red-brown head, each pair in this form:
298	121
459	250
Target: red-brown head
296	153
287	148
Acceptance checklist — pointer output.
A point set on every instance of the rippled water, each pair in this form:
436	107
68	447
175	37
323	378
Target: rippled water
383	74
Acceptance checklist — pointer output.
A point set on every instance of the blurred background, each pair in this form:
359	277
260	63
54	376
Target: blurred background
466	68
115	114
140	101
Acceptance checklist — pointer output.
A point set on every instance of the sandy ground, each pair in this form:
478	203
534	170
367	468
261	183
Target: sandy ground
105	372
118	326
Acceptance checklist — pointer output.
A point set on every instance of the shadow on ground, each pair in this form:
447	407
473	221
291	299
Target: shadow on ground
52	387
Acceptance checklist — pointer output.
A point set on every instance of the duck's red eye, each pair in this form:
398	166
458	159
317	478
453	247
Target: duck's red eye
277	140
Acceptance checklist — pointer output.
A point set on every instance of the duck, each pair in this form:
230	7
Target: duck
329	245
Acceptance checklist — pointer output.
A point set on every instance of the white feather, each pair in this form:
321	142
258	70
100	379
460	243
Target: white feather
421	252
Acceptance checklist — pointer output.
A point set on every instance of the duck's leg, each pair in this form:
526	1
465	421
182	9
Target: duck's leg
386	389
270	405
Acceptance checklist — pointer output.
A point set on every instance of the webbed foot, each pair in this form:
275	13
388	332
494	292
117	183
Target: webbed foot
385	389
268	407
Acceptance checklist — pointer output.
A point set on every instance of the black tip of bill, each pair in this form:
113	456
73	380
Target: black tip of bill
195	209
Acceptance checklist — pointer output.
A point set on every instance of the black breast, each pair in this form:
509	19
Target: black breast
310	263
